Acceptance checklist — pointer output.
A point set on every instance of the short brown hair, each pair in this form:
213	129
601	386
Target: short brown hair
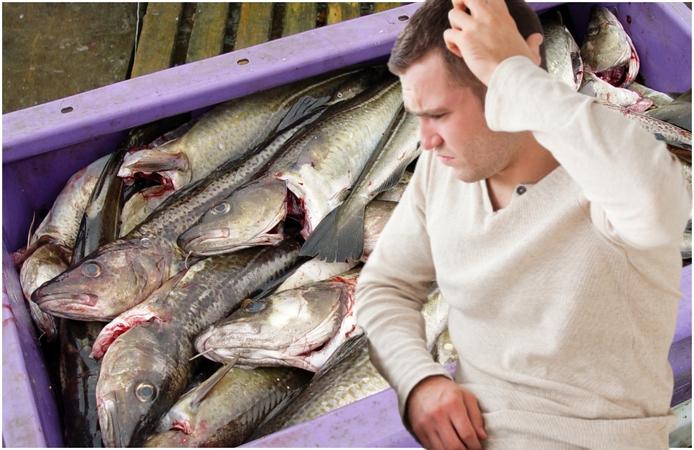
423	35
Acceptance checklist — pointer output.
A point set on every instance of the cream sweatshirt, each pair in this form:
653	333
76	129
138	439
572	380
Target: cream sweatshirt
564	303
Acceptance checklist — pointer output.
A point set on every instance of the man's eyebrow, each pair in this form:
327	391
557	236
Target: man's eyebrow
426	113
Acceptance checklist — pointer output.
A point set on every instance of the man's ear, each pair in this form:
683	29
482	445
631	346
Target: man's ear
534	41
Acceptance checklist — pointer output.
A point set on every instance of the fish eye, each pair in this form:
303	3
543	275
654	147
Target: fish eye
221	208
145	392
91	269
255	306
146	242
592	31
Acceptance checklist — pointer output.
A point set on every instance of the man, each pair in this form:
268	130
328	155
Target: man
552	226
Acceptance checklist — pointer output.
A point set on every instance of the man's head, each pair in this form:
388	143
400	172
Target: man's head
423	35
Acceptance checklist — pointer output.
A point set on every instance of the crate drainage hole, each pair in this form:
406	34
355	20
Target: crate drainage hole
242	62
403	18
67	110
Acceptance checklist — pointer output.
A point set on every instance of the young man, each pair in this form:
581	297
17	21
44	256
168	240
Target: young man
552	226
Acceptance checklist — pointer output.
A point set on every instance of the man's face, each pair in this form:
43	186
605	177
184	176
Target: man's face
452	122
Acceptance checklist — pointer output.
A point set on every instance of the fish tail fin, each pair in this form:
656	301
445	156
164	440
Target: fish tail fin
338	237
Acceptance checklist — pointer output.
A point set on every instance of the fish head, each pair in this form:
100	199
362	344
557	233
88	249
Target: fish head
247	218
111	280
140	378
166	164
285	324
606	45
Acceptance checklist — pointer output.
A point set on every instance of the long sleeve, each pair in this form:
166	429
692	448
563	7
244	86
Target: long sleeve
638	193
392	287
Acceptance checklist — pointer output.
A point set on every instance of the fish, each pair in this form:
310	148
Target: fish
124	272
78	377
686	245
376	215
444	353
676	113
671	134
287	327
394	194
347	376
140	205
232	128
206	417
607	50
250	215
659	98
62	223
101	219
562	53
313	271
340	235
146	368
46	263
594	86
334	160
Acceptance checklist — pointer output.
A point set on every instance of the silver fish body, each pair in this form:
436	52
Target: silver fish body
562	54
46	263
333	158
376	215
394	194
210	419
281	329
340	235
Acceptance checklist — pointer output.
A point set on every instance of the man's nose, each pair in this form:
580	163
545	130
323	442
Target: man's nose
428	137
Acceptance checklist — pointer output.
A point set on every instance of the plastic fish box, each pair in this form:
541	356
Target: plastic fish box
44	145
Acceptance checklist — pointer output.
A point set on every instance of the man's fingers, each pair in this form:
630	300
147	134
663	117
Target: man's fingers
475	414
466	431
534	41
449	36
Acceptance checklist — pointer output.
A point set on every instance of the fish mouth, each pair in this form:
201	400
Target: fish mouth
198	242
84	299
109	420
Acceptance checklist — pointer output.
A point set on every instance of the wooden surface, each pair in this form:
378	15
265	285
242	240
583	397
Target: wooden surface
54	50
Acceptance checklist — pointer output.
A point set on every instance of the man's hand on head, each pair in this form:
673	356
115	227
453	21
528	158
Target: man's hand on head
443	415
485	35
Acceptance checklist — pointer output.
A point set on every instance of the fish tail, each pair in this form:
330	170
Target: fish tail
338	237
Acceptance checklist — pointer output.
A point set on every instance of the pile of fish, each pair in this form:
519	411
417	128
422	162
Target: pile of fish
606	66
208	259
200	280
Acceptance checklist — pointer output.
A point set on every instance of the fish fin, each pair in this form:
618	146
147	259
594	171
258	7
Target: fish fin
205	388
302	108
152	161
341	353
261	429
338	237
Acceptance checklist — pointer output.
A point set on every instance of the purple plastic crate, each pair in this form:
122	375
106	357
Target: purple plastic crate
44	145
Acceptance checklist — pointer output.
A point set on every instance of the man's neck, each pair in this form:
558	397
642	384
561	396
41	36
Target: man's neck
533	164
